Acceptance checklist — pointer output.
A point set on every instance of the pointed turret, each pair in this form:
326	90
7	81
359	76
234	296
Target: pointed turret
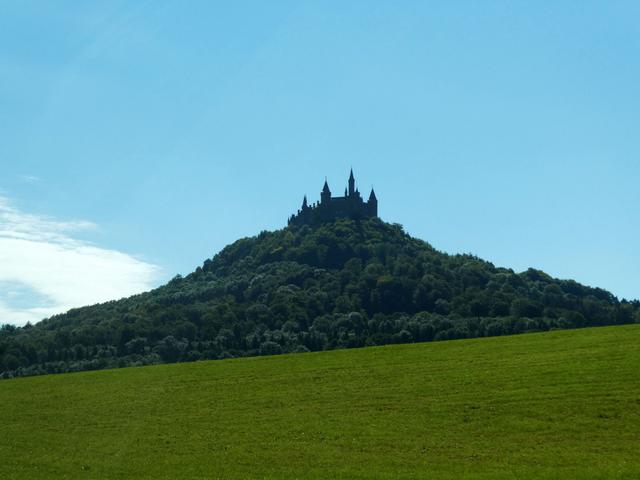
304	203
325	195
352	183
372	204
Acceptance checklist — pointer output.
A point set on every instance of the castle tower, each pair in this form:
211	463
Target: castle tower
352	183
325	195
305	205
372	203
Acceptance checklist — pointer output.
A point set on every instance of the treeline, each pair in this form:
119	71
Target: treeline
341	285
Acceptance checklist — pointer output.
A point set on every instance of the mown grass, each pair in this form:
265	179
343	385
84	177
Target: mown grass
562	405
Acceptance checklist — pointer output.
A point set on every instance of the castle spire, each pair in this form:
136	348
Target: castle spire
325	196
372	204
304	203
352	183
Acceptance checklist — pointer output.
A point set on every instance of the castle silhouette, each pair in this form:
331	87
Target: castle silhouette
329	208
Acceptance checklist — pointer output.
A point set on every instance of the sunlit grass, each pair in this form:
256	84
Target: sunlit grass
562	404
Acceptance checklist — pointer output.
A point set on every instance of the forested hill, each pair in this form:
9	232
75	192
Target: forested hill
341	285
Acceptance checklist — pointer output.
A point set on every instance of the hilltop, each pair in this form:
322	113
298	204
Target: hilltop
342	284
554	405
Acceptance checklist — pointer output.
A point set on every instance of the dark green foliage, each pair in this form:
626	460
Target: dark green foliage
340	285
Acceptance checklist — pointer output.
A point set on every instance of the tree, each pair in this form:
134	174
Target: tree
270	348
170	348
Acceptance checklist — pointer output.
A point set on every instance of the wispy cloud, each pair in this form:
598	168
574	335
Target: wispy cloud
40	256
30	179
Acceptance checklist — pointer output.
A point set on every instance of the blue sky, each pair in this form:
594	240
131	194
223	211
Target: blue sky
139	138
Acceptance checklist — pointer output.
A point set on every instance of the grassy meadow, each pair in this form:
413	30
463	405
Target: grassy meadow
556	405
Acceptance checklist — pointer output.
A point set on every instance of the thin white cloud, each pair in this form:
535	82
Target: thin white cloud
30	179
41	255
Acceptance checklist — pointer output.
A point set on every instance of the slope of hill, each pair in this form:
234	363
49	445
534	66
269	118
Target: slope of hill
554	405
343	284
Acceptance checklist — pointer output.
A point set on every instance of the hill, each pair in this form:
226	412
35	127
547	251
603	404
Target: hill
554	405
342	284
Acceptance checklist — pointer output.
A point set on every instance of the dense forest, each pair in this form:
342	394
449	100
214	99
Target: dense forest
344	284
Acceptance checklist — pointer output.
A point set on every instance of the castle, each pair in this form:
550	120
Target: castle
329	208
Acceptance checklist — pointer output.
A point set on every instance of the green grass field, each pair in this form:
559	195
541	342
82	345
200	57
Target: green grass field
562	405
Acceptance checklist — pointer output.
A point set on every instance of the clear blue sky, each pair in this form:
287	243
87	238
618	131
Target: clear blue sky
157	132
